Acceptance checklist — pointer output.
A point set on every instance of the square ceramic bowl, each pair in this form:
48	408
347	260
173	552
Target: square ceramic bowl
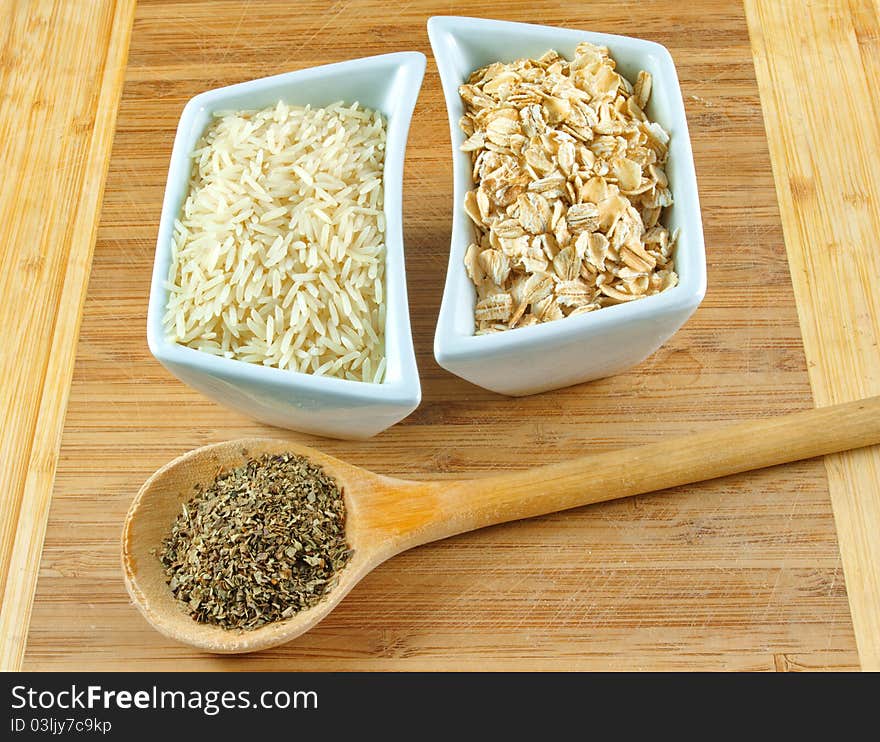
534	359
322	405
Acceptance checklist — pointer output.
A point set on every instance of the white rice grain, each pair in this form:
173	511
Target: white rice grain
278	253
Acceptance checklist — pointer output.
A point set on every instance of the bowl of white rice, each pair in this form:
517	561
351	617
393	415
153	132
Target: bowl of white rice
279	287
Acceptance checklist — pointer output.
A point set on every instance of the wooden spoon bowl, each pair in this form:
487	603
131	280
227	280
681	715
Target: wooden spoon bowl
385	516
158	503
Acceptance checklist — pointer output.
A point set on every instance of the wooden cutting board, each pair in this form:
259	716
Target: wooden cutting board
740	573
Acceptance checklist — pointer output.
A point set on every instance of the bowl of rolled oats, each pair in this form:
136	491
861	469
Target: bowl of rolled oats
577	245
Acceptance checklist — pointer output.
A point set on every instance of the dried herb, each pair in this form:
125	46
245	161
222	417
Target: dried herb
260	543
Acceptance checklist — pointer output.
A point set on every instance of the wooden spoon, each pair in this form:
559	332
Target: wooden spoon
386	516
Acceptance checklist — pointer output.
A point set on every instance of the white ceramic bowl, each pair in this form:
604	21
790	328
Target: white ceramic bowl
584	347
327	406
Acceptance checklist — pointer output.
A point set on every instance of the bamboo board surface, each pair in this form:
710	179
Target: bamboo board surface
58	101
741	573
829	194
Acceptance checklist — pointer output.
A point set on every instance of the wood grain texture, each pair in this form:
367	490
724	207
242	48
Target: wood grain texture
61	73
824	150
385	516
739	573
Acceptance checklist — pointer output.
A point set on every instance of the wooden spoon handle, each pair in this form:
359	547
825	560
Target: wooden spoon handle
463	506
